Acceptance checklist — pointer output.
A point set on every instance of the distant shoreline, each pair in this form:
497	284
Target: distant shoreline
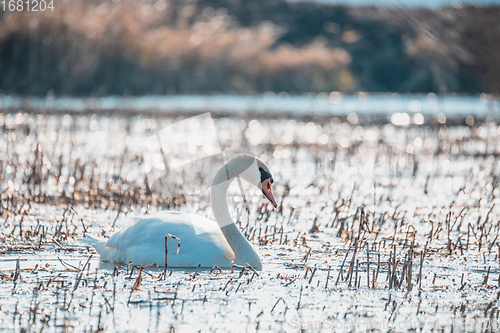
434	4
168	48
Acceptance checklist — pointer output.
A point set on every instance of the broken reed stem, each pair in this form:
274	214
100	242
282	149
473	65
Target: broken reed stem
237	266
312	275
243	268
342	266
351	266
81	273
374	282
17	274
356	283
138	281
306	256
166	251
215	268
307	272
228	282
422	256
279	299
119	211
390	265
409	270
485	282
300	298
367	265
327	277
196	273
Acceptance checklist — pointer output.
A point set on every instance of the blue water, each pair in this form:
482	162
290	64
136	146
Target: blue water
334	104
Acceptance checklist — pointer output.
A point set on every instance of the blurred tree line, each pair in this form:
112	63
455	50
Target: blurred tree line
130	47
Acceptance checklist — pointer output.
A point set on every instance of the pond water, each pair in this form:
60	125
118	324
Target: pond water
332	104
379	227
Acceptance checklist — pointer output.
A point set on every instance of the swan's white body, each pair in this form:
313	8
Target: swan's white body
204	242
143	242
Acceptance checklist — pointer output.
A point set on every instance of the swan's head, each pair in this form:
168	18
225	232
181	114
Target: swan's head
255	172
266	179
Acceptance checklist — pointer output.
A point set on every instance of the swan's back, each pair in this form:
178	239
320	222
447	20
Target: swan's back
143	242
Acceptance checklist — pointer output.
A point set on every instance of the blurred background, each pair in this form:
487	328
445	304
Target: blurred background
166	47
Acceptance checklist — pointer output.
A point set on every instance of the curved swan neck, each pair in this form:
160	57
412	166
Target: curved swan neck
243	251
218	197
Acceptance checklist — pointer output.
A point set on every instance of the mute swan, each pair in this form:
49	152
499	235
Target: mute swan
203	241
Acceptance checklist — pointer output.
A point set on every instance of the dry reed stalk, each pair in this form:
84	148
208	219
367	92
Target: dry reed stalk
166	251
306	256
138	281
327	277
353	261
279	299
312	275
17	274
342	265
196	272
215	268
367	265
485	282
81	273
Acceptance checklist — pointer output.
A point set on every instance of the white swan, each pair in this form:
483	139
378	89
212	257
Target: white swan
203	241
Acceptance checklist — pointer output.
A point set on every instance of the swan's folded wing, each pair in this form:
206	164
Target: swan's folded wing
202	242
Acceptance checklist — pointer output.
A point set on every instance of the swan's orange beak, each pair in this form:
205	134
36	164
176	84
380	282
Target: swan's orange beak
266	189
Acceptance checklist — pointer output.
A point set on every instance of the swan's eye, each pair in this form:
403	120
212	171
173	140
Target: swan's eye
264	175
